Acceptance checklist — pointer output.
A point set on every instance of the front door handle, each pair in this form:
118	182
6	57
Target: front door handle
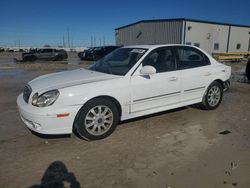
173	78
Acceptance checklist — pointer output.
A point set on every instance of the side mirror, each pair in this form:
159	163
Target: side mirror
148	70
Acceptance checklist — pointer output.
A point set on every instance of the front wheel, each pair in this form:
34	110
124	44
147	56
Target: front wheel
97	119
213	96
57	58
31	58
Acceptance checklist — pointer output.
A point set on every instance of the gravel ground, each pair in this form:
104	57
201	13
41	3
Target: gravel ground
180	148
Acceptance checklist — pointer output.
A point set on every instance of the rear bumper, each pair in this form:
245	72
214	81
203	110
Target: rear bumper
44	122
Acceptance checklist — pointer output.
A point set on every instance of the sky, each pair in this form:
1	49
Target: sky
35	23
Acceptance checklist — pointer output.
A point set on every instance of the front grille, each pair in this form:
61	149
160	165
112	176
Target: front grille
26	93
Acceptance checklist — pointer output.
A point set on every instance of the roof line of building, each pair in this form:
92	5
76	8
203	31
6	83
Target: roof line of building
182	19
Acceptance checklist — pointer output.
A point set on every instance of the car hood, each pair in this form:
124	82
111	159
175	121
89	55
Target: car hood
67	78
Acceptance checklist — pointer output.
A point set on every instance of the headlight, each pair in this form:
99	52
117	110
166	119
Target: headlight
45	99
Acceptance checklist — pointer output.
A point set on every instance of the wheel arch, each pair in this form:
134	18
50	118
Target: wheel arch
114	100
216	80
220	82
203	105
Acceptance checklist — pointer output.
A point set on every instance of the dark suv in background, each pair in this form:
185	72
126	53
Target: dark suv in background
2	49
248	70
96	53
45	54
86	54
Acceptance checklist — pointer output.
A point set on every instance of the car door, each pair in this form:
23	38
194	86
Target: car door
45	53
157	90
195	72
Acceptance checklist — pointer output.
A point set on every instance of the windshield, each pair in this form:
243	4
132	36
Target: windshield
90	49
119	62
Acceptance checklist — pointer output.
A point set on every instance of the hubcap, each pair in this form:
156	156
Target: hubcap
98	120
214	95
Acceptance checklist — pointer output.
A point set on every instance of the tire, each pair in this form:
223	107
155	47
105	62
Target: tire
97	119
25	59
29	58
32	58
213	96
57	58
96	57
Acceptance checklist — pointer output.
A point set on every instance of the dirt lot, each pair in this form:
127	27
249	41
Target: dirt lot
174	149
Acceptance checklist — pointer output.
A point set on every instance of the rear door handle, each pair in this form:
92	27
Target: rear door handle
207	74
173	78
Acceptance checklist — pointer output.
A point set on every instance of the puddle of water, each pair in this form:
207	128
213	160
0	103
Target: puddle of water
4	64
239	77
73	62
6	60
17	73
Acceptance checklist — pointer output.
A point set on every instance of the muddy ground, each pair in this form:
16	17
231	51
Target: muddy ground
181	148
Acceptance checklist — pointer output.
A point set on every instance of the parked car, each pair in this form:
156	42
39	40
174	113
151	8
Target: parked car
33	50
9	50
45	54
248	70
129	82
100	52
96	53
86	54
2	49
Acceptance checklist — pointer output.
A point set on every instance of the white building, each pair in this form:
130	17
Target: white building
210	36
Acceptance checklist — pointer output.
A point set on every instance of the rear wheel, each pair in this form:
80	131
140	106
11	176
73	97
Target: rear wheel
97	119
31	58
96	57
213	96
57	58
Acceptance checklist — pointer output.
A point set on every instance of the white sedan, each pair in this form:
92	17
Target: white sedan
131	81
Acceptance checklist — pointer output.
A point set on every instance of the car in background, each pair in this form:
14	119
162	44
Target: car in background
45	54
9	50
96	53
129	82
100	52
86	54
248	70
2	49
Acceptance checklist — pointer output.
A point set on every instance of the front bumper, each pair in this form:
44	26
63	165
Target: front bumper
45	120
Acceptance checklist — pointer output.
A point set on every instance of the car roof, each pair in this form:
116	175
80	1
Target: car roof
155	46
152	47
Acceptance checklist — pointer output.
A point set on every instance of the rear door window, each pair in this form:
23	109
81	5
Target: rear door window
188	57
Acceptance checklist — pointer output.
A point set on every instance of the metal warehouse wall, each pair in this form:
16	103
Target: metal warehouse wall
161	32
206	35
239	35
210	36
